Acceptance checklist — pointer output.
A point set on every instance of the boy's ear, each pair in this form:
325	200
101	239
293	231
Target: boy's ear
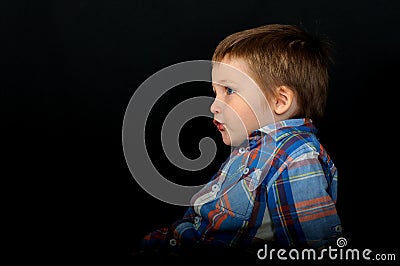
283	100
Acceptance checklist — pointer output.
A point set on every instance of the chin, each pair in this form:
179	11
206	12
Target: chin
236	141
226	142
226	139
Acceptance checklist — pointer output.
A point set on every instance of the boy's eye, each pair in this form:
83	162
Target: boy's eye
229	91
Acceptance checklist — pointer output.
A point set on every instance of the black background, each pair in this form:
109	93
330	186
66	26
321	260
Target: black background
69	69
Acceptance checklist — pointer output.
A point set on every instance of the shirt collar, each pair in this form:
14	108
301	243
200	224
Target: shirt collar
277	129
268	129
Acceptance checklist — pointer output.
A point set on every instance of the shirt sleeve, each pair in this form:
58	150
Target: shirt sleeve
303	211
180	232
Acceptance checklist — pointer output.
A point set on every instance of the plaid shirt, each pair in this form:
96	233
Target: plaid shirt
279	187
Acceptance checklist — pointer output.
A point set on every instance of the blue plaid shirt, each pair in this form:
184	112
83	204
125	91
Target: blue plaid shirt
279	187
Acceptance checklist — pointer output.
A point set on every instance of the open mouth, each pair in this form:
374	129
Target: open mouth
219	125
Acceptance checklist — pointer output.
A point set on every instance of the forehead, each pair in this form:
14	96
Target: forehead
231	70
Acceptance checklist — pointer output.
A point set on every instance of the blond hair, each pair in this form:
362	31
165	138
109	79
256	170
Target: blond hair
286	55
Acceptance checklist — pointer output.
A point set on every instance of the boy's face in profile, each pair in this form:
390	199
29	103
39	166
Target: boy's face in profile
239	107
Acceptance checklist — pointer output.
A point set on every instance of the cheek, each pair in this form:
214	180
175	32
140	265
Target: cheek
259	114
242	115
237	112
247	113
251	121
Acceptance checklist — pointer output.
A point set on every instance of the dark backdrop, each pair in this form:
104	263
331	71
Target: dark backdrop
70	68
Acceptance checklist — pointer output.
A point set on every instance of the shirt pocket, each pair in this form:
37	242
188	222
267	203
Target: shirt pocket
238	200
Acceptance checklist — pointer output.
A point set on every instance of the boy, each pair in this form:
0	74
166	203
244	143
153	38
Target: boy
279	185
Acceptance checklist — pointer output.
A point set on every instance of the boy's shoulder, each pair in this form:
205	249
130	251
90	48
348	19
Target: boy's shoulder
295	141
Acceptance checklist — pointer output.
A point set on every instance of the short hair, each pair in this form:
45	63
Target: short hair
284	55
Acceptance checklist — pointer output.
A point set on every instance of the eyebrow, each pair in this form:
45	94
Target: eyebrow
224	81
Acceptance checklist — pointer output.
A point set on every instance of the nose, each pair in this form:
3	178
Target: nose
215	106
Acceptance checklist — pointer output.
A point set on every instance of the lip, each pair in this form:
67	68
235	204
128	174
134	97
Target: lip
219	125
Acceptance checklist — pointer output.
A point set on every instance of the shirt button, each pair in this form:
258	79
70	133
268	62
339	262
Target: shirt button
215	188
338	228
196	220
246	170
242	150
172	242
